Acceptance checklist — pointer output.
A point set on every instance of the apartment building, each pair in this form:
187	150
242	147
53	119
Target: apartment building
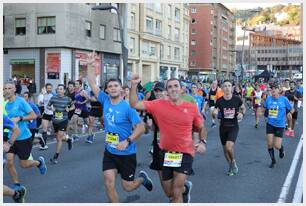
212	40
49	42
158	36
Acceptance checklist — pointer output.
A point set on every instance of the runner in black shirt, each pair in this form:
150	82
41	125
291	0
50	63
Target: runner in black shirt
232	111
211	99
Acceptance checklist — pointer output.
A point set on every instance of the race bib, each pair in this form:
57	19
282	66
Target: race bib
58	115
273	113
229	113
173	159
212	97
112	139
78	111
257	101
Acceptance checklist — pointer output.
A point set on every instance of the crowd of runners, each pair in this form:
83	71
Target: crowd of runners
174	112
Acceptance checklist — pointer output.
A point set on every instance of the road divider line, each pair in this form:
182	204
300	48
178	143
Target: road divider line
298	193
289	178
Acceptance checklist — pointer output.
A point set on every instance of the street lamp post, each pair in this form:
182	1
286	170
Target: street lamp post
124	50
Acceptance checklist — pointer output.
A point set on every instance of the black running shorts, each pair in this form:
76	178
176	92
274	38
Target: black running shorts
276	131
22	148
125	164
95	112
155	164
295	115
186	166
228	134
47	117
60	126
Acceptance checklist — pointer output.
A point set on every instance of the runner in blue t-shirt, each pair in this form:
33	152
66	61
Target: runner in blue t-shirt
33	123
19	194
278	107
120	147
199	99
20	112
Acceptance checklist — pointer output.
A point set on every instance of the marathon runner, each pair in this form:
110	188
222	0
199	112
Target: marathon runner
48	114
211	99
95	112
277	107
257	96
248	91
70	92
120	143
18	195
232	110
175	118
60	105
33	123
293	96
20	112
200	101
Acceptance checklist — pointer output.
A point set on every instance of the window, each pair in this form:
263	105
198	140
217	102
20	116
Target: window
46	25
152	50
193	63
186	25
158	27
193	53
169	11
116	34
145	47
149	24
193	42
176	53
193	10
20	26
169	32
102	31
169	52
158	7
193	21
132	23
88	28
193	31
177	34
132	45
177	14
161	51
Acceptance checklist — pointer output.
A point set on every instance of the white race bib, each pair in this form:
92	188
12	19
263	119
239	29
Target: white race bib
173	159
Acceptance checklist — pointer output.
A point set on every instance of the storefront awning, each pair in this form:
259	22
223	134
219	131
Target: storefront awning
22	61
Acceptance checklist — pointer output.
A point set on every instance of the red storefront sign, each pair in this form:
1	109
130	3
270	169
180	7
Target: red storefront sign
83	56
53	62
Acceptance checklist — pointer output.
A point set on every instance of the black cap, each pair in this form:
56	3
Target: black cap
160	86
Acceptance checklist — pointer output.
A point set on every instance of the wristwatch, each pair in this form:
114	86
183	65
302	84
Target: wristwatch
129	140
204	141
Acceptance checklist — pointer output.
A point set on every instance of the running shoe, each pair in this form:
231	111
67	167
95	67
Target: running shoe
186	194
43	166
287	133
234	168
213	125
41	140
147	183
70	143
19	195
291	134
75	138
256	126
272	165
44	148
230	171
53	161
89	139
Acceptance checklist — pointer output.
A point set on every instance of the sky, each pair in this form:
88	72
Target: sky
250	5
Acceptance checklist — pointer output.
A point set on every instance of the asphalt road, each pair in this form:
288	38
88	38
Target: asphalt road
78	176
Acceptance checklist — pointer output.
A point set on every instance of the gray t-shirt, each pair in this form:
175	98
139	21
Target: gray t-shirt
60	104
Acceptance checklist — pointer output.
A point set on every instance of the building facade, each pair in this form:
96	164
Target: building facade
158	40
50	42
212	41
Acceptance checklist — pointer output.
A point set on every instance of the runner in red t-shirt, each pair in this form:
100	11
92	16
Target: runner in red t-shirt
175	119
